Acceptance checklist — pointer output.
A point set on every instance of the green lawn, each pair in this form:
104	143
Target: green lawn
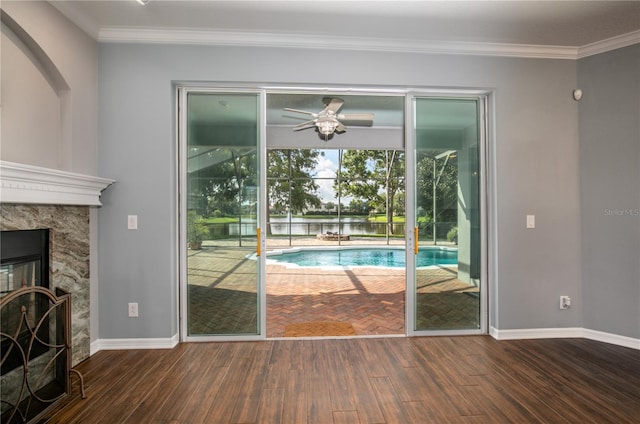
383	218
219	220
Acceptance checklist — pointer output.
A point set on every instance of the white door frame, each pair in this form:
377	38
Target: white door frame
481	96
410	96
182	91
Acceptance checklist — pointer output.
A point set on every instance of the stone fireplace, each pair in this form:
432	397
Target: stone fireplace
39	198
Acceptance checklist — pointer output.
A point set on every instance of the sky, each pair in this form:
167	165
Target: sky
326	168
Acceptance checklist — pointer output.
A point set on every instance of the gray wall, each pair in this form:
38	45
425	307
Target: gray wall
73	57
610	190
535	151
73	54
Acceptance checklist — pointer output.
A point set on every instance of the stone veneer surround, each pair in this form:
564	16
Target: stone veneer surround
69	257
32	197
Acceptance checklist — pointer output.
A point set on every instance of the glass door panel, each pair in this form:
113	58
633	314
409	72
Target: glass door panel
447	214
222	215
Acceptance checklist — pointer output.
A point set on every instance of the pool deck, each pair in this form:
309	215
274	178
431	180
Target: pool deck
372	300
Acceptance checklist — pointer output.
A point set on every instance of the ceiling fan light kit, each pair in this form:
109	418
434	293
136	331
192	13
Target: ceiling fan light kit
327	127
328	121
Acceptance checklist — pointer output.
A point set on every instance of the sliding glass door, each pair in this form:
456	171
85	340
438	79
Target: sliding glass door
223	204
447	266
220	208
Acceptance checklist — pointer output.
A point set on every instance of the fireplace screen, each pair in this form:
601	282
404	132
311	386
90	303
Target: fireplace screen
23	316
24	263
34	350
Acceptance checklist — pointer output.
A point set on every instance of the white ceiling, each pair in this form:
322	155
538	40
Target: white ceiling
557	29
360	23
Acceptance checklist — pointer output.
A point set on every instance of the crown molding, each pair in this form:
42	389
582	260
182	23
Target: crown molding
609	44
20	183
116	34
81	20
254	39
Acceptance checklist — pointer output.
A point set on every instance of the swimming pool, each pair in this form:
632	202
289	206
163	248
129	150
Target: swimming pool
370	256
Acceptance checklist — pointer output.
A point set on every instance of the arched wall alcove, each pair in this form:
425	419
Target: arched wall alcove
35	102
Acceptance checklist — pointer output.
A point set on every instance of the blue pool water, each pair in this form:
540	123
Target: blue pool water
383	257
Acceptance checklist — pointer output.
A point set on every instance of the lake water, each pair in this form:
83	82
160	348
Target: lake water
311	227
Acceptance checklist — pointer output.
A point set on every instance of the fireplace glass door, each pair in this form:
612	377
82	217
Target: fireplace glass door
24	259
19	274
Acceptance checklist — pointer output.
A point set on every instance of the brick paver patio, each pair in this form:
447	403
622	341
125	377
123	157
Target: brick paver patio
223	298
372	300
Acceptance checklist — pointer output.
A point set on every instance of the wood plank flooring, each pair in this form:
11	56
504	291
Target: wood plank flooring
473	379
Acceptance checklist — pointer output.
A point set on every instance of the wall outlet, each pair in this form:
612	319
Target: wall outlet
133	309
565	302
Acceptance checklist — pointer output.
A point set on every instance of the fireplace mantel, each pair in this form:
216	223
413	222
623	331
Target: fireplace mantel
20	183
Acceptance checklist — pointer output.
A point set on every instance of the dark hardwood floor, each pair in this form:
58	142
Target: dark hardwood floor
472	379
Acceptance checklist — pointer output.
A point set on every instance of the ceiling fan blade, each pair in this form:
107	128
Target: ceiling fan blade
341	127
304	125
357	117
333	103
315	115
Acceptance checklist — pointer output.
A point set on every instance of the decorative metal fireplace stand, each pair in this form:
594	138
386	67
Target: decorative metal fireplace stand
35	367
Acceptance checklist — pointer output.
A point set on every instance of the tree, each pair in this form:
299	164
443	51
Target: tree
290	185
375	176
399	204
330	206
359	206
446	189
222	186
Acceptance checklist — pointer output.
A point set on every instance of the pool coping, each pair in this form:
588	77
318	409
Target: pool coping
298	249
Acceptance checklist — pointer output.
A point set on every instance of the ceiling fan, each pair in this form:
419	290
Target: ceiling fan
329	121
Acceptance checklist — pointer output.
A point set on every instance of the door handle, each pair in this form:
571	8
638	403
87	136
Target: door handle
415	240
258	241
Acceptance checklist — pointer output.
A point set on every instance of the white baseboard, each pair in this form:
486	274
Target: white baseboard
565	333
518	334
94	347
128	344
612	338
537	333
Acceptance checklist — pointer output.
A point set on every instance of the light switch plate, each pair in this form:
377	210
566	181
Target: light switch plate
132	222
531	221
